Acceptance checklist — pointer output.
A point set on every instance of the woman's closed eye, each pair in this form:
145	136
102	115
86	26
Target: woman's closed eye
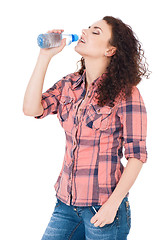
97	33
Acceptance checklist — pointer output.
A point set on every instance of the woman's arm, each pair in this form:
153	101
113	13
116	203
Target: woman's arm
126	181
32	98
133	118
107	212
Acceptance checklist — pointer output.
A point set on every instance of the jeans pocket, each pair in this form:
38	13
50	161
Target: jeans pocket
95	209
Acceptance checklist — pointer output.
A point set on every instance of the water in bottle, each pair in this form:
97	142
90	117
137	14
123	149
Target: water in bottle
50	40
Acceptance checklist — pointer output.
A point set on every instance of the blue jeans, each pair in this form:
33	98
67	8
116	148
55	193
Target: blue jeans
73	223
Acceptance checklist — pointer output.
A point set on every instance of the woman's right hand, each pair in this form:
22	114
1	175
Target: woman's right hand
50	52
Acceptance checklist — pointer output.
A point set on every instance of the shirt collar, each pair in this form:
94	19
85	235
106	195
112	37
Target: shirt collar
79	80
83	77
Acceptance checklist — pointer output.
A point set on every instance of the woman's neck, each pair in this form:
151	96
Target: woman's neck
95	68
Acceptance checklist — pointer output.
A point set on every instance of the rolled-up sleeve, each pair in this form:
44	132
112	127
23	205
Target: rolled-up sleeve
50	99
133	118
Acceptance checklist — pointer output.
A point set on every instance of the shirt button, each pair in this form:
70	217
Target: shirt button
74	142
89	96
80	109
98	110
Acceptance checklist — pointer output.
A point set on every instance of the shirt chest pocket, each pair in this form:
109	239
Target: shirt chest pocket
65	106
98	117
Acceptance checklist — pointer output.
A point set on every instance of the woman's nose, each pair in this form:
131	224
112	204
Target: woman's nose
84	31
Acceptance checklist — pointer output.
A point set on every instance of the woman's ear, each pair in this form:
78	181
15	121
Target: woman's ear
110	52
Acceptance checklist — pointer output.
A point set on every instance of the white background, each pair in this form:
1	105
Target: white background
32	150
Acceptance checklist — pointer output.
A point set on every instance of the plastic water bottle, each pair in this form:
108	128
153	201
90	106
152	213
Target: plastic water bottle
50	40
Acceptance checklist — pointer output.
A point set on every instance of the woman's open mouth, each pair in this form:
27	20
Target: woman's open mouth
81	40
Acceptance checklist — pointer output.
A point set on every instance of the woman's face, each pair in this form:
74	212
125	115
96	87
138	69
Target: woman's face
96	40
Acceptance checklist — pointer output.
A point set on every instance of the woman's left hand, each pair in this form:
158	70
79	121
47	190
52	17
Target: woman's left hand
105	215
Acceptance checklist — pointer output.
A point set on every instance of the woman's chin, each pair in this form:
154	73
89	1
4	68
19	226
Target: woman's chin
79	50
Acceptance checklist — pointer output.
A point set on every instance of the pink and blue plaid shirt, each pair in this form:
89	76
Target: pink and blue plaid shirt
94	145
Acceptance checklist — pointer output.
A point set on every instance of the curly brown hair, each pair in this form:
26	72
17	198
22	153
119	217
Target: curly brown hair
126	68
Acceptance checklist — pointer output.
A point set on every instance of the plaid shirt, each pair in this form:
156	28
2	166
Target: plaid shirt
92	164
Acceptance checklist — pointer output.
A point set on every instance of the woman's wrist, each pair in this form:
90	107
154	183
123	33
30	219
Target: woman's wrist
43	55
114	202
44	58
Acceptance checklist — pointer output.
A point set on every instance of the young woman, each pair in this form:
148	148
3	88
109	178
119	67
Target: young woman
101	111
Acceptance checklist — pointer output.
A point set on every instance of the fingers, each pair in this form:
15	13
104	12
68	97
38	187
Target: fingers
56	31
97	223
55	50
102	224
94	218
63	44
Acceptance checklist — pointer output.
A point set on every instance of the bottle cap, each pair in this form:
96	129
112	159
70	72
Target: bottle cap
75	37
